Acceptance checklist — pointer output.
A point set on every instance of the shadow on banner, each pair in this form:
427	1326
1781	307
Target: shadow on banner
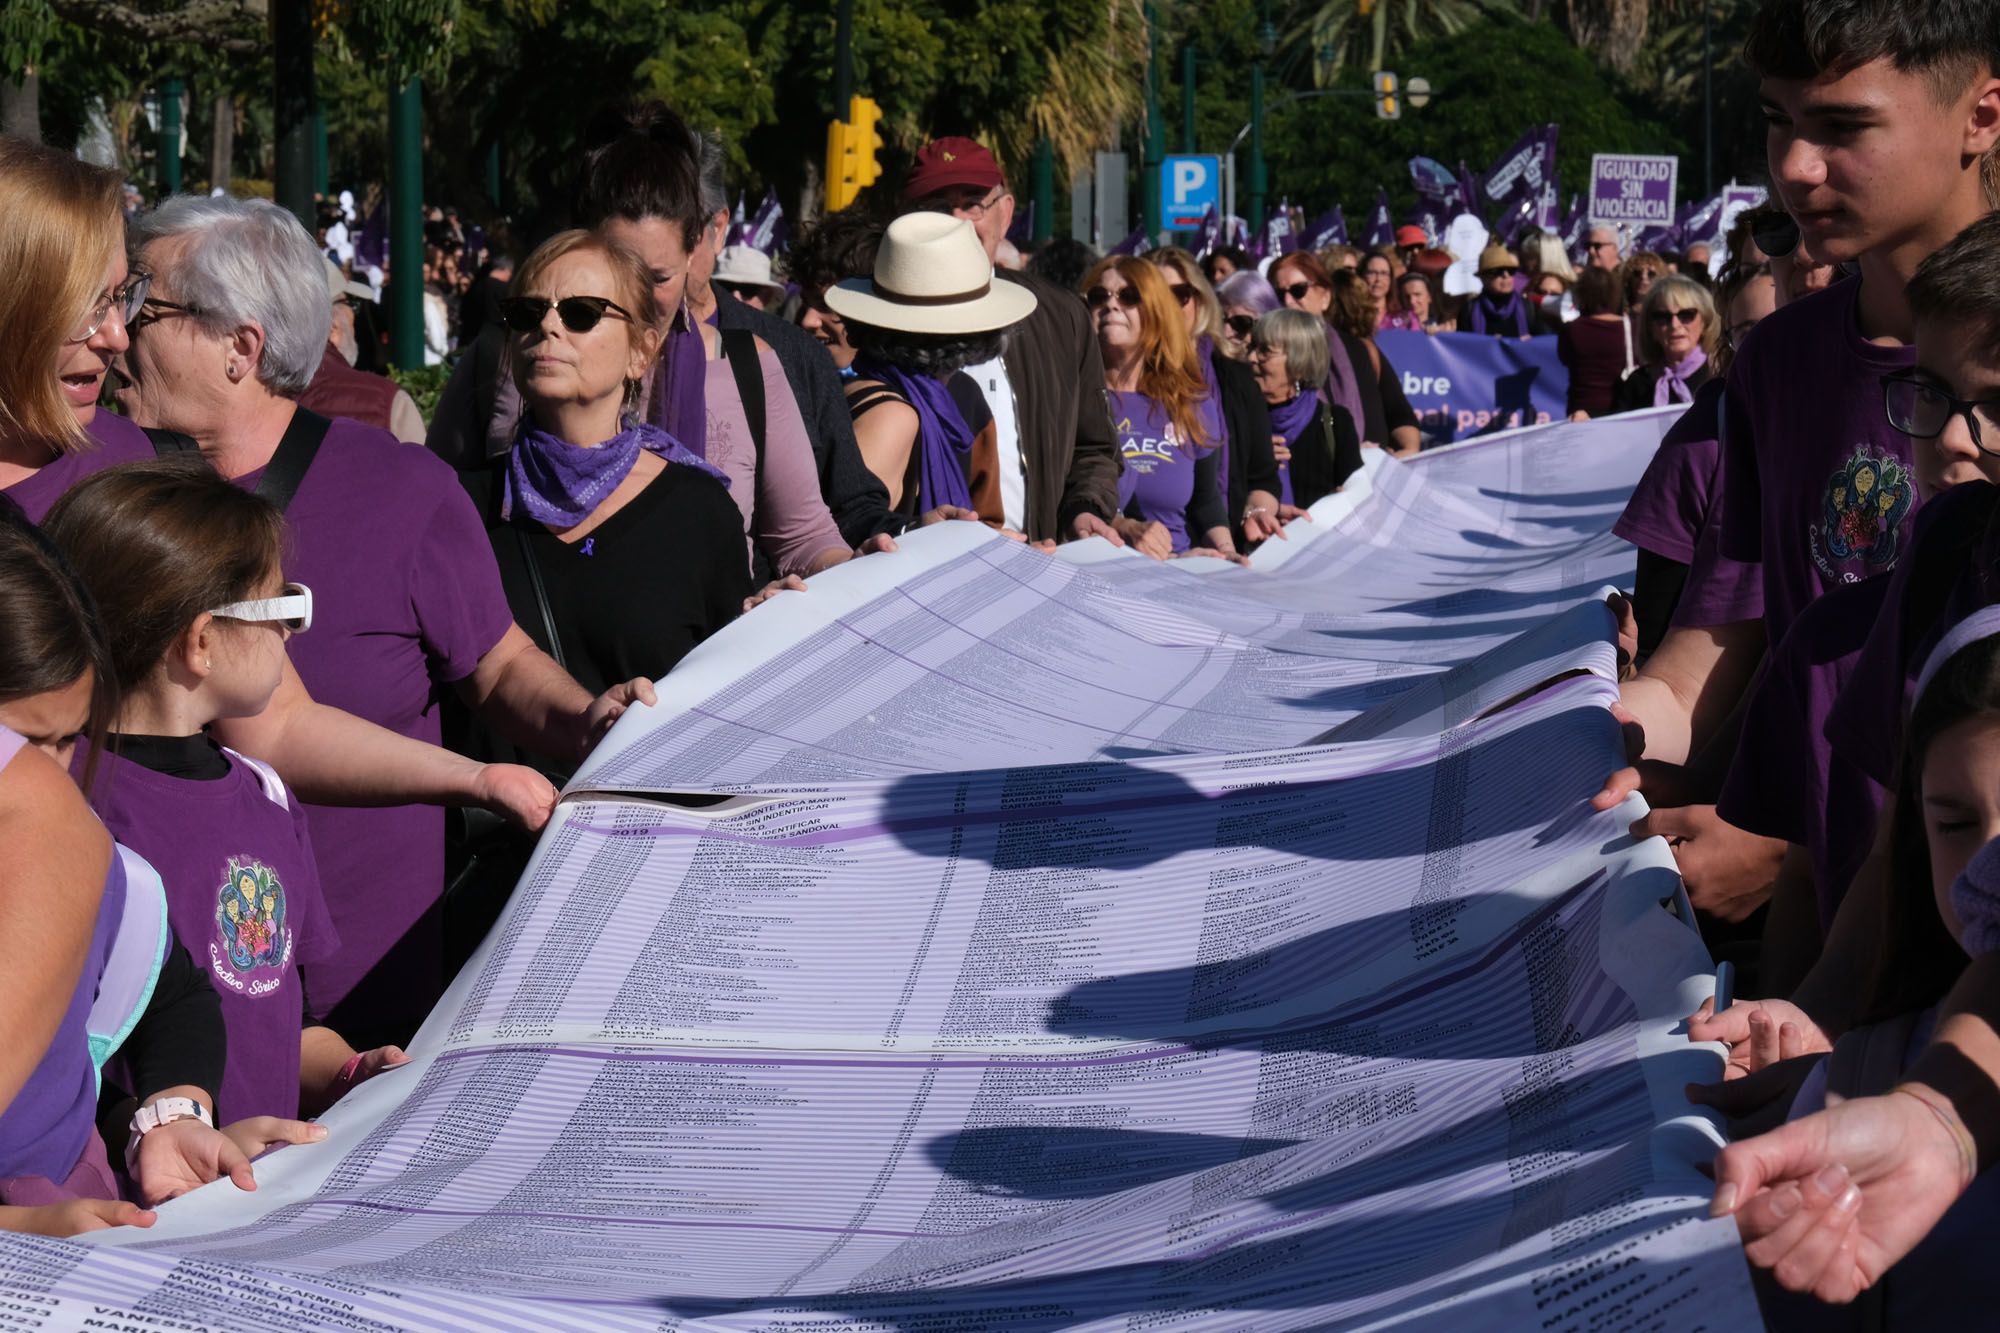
1465	384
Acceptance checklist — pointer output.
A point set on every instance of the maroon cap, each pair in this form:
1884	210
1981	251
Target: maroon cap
1411	235
948	163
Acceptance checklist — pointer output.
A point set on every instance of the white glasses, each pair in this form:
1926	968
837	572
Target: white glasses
292	608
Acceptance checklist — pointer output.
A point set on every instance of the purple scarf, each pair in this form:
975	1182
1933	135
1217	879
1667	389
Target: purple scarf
1291	419
1673	386
944	441
679	402
1341	388
1204	351
1513	311
561	484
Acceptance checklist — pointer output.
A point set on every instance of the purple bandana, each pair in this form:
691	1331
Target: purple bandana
1513	311
1291	419
560	484
679	403
944	440
1673	386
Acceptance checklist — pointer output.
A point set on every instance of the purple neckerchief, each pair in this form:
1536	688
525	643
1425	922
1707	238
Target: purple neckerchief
1511	311
679	403
1342	390
561	484
1291	419
1673	386
944	441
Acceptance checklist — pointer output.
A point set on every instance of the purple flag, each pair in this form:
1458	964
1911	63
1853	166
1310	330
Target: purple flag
1576	224
1280	236
1237	233
1138	243
1381	230
737	226
1330	228
1210	234
371	246
1023	230
1434	182
761	232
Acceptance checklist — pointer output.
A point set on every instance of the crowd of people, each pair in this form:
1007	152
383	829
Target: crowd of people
258	643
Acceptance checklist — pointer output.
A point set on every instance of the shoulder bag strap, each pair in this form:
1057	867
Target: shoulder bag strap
541	594
740	347
294	455
167	443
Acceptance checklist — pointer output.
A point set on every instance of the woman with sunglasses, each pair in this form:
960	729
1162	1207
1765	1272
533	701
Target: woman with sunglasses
1359	378
1678	333
230	333
63	315
185	571
1249	470
1168	423
1245	298
1500	310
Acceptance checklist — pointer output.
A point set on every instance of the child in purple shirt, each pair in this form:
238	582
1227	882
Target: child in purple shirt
199	637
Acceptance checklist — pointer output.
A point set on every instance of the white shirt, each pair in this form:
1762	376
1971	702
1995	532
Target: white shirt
991	376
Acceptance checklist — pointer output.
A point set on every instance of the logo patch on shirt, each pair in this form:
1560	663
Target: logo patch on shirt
1862	514
1144	453
251	933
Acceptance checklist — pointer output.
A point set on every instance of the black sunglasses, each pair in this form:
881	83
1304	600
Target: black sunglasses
1099	297
1183	292
1776	236
579	314
1921	410
1240	325
1297	291
1499	272
1667	316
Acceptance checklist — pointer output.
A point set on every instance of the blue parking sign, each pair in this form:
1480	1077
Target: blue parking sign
1190	185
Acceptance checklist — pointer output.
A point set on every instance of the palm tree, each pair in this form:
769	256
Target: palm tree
1346	32
1087	89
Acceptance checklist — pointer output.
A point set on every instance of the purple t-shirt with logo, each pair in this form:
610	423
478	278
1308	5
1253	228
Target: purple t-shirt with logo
1787	780
114	439
406	600
1818	484
1670	505
243	895
48	1126
1159	469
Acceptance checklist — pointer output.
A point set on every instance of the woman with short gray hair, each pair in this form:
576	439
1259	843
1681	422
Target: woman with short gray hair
1315	441
226	339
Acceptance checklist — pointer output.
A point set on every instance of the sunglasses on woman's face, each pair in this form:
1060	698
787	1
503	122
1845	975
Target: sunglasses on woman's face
579	314
1777	237
1297	291
1099	297
1240	325
292	609
1183	293
1686	317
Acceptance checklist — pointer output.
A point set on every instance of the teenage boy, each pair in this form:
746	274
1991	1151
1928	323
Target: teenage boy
1879	115
1833	1200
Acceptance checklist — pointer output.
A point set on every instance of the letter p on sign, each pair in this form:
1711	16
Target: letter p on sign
1190	185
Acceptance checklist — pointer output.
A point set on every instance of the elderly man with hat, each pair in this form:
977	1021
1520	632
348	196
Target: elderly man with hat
1498	309
1057	461
745	273
340	390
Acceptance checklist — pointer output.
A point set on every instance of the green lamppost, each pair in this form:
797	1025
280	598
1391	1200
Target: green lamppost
406	224
1260	185
1154	148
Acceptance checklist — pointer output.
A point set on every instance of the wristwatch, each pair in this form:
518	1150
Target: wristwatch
161	1111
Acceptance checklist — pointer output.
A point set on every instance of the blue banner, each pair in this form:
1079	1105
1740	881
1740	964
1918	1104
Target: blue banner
1463	384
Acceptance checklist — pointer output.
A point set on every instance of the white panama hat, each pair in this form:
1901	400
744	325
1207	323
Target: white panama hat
931	276
741	266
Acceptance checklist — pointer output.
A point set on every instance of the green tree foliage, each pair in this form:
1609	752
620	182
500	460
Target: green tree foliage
1341	34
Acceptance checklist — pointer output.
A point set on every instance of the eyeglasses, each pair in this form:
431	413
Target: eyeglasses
1183	293
579	314
1921	410
1595	246
292	608
156	308
1099	297
1499	272
1777	236
970	207
127	299
1297	291
1686	317
1240	325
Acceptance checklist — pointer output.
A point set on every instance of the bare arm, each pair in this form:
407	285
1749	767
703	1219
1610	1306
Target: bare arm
1690	684
519	691
886	434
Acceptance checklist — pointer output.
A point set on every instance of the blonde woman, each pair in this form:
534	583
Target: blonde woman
1678	334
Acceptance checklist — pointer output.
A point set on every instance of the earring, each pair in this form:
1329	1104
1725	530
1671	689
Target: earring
207	664
232	372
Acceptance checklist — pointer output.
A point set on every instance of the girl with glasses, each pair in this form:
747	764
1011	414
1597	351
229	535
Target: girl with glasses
185	570
1678	336
64	309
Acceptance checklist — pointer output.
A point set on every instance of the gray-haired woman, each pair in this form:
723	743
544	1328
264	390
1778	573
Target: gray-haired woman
229	335
1315	441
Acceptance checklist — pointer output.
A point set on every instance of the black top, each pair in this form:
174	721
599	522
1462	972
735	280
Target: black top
1247	419
195	758
1636	390
1327	452
638	593
1384	406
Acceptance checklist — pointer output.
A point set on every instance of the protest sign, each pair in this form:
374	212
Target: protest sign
1463	385
1632	190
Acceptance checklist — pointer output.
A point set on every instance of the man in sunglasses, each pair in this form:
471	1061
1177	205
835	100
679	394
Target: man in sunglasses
1601	249
1058	461
1498	310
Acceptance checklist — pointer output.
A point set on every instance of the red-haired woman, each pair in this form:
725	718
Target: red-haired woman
1168	423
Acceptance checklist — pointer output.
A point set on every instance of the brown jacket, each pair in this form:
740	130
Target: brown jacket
1068	453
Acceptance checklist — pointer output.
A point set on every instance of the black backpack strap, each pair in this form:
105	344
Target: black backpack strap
294	455
167	443
740	346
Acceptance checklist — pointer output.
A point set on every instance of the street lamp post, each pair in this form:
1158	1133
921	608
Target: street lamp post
1267	42
1153	147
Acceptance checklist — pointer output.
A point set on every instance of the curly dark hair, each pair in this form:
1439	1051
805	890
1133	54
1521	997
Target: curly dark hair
933	354
840	245
1063	261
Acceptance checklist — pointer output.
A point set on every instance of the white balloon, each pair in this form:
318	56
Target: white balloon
1464	238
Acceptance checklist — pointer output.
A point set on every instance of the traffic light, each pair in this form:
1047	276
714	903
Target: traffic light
851	148
1388	102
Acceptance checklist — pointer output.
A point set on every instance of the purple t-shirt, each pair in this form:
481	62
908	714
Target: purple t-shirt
1818	483
406	600
116	440
1670	505
1787	780
1158	468
45	1130
243	895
